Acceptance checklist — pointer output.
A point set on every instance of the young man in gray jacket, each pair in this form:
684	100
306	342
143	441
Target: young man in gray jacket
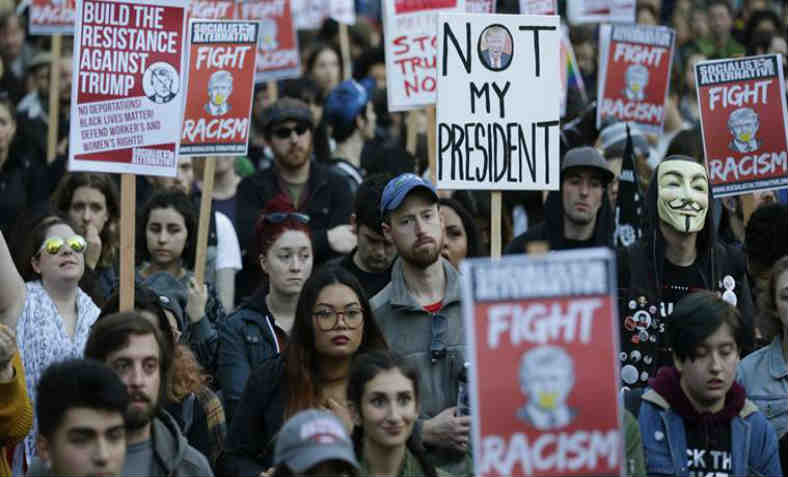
420	315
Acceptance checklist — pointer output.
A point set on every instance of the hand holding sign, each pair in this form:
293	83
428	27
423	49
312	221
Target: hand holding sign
448	430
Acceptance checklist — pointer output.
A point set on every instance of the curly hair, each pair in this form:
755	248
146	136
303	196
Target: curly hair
768	321
187	375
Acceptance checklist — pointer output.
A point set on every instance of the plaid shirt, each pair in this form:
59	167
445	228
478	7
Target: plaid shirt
214	414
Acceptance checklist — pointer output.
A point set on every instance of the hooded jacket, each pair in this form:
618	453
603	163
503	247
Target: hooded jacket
552	229
666	411
641	281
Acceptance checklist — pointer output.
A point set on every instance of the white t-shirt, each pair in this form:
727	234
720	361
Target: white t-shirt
228	250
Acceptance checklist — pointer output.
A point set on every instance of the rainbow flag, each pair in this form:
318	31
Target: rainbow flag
570	72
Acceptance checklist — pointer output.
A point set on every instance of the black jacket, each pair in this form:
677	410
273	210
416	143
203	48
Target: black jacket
552	229
246	340
249	447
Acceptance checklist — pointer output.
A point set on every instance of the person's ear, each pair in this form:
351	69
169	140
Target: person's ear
42	444
386	228
355	415
34	262
263	263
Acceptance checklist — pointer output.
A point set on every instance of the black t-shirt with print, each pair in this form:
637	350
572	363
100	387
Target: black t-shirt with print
709	450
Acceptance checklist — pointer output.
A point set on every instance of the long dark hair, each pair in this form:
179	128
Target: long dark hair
183	205
365	368
471	231
301	357
27	248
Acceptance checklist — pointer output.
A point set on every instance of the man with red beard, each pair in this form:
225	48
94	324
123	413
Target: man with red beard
297	183
135	349
419	313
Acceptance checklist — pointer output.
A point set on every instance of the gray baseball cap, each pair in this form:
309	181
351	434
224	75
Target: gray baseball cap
311	437
587	157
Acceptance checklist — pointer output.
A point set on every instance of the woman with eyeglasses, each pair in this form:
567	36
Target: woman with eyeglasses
259	328
41	301
166	242
334	322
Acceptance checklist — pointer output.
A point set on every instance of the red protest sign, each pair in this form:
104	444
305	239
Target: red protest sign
127	86
277	47
635	63
212	10
544	359
49	17
743	118
222	58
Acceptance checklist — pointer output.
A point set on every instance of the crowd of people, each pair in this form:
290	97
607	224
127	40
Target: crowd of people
328	337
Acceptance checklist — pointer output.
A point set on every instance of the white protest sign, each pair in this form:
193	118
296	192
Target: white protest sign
600	11
499	94
538	7
410	38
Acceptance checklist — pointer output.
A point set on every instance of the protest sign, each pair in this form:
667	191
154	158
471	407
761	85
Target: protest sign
635	62
222	57
49	17
493	132
571	78
480	6
601	11
538	7
543	335
212	9
743	118
277	47
127	88
410	39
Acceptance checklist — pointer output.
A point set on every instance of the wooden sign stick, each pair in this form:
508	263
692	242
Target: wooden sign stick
128	193
54	98
344	50
205	219
431	143
495	224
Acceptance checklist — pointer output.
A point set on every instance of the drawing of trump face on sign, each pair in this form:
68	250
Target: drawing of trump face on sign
219	88
268	33
160	82
495	48
743	124
636	81
546	378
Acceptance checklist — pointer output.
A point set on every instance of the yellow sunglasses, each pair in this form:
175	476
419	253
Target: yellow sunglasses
53	245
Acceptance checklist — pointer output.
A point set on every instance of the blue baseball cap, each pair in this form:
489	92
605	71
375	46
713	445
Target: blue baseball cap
347	100
399	187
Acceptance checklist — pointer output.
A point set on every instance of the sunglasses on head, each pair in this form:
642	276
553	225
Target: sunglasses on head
53	245
285	132
279	217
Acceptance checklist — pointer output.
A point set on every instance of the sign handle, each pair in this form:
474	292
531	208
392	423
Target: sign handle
495	224
205	219
273	91
431	143
128	193
344	49
54	98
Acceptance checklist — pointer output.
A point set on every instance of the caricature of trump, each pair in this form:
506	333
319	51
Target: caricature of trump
546	379
743	124
220	85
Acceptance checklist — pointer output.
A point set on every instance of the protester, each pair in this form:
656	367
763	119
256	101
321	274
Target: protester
259	329
314	442
764	242
166	242
225	189
720	43
424	294
311	373
460	236
16	412
695	419
613	142
383	394
579	214
764	373
82	420
41	301
135	349
371	260
15	53
324	66
91	201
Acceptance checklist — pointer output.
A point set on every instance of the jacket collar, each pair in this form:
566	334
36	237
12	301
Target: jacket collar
399	291
169	445
777	366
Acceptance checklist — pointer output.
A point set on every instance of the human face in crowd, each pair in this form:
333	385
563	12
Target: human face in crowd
137	364
325	70
781	297
708	377
388	410
700	23
683	199
378	72
581	192
66	264
374	251
88	206
166	235
416	229
343	339
455	238
88	442
615	164
7	130
720	21
12	37
224	165
585	54
293	151
288	262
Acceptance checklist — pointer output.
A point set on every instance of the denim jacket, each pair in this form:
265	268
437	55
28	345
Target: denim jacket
753	441
765	377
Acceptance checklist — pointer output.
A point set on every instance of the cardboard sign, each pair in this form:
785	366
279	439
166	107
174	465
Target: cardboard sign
277	47
50	17
743	118
410	39
128	86
493	132
635	63
601	11
222	57
543	339
480	6
538	7
212	9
